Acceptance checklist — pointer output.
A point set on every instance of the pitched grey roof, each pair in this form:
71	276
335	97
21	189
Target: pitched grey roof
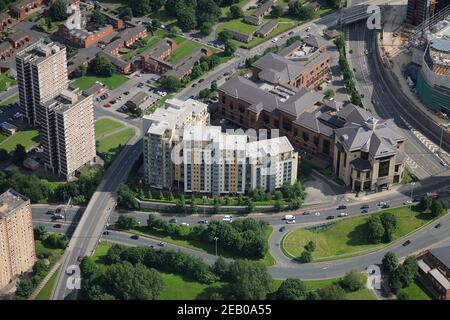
267	27
311	122
316	41
361	164
248	91
275	68
380	141
353	114
443	254
300	102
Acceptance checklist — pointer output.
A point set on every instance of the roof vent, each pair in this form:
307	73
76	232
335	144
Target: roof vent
345	136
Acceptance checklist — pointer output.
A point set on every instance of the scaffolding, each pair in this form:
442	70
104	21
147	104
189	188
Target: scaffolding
418	37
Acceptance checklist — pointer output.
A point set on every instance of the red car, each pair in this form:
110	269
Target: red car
107	105
80	258
57	226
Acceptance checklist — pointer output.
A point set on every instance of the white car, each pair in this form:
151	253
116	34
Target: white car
366	51
343	214
290	221
274	39
317	214
185	224
229	220
308	29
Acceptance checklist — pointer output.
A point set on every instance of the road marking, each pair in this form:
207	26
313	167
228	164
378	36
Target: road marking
430	145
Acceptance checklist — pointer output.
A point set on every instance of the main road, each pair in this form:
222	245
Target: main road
384	100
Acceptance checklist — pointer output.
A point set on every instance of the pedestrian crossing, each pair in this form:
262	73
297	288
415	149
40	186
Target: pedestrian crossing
424	140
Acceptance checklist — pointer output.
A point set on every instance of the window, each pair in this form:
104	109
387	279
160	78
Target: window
266	118
223	99
368	175
326	147
364	155
287	125
305	136
383	170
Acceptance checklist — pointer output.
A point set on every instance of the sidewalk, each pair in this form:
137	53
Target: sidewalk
45	280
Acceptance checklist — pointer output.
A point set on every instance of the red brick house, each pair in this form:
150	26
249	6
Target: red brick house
19	39
6	21
434	271
6	51
20	11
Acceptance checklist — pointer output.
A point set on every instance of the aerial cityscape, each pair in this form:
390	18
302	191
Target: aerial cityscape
225	150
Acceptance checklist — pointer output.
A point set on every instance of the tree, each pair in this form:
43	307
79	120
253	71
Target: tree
292	289
305	257
126	197
437	207
331	292
390	262
206	28
101	66
25	288
277	11
80	71
156	5
139	7
230	49
58	11
352	281
213	87
294	203
127	282
389	222
375	229
236	12
3	155
97	19
56	241
170	83
19	155
277	206
194	207
175	30
250	206
307	12
425	202
204	93
221	268
310	246
39	232
294	9
403	295
126	222
126	14
249	280
187	19
224	36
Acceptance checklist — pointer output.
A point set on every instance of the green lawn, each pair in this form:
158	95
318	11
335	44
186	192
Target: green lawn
237	25
46	291
201	246
6	81
226	10
179	288
182	51
111	82
348	237
9	100
103	126
312	285
27	138
109	147
416	291
175	287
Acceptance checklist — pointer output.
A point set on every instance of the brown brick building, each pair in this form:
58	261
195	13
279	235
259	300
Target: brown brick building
21	10
434	271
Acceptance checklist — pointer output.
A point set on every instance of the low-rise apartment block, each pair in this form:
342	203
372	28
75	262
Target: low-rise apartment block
257	17
67	132
231	163
17	249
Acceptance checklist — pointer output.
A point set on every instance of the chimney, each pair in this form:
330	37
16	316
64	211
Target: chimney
371	123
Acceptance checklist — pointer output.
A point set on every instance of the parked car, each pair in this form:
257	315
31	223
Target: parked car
134	237
161	244
364	211
385	206
342	207
57	226
407	242
290	221
203	221
106	232
317	214
291	33
330	217
107	105
306	213
366	206
343	214
185	224
282	229
173	220
80	258
201	80
438	225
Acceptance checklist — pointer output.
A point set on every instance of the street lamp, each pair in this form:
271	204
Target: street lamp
215	239
412	191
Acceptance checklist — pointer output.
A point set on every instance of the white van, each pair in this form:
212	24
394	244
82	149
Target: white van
289	217
228	220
